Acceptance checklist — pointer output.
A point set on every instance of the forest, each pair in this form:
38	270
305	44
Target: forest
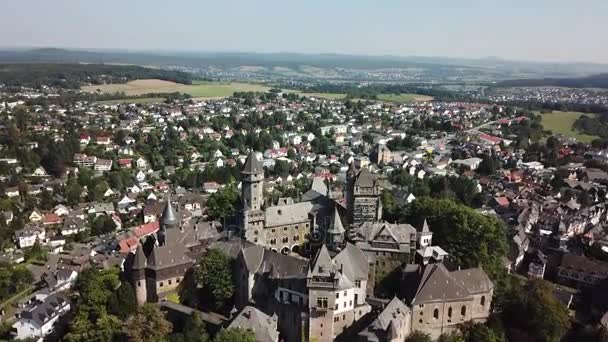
72	76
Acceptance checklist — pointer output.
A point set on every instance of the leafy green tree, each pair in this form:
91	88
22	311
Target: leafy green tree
418	336
235	335
223	203
148	324
102	224
213	275
91	320
194	330
123	303
471	238
478	332
487	165
534	313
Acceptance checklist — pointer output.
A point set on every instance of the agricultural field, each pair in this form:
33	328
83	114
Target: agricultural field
328	96
143	100
404	98
196	90
561	123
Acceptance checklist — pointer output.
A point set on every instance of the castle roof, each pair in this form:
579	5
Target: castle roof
169	217
252	164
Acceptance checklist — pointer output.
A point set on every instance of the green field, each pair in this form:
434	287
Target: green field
143	100
404	98
561	123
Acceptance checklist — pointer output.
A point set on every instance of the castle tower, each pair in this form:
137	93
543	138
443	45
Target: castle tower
336	231
138	276
252	195
169	220
351	175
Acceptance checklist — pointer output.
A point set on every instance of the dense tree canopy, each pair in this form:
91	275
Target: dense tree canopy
213	275
235	335
148	324
471	239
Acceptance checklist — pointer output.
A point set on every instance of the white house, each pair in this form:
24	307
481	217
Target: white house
27	237
38	319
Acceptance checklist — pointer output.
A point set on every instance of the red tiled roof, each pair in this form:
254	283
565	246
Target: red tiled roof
502	201
51	218
146	229
490	138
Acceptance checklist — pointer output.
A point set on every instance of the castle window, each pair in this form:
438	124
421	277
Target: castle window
138	283
483	300
169	281
255	232
284	228
337	319
337	294
336	307
322	302
436	314
463	310
162	284
450	312
358	283
177	280
344	317
344	304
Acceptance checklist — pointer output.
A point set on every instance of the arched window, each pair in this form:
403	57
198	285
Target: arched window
463	310
483	300
436	314
450	312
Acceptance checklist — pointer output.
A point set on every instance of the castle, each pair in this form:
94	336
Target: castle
160	263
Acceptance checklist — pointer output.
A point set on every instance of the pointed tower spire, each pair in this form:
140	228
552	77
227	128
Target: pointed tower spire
169	217
425	227
352	170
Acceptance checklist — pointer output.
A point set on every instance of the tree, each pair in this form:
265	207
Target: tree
148	324
471	238
532	312
194	330
418	336
223	203
478	332
487	165
123	303
213	275
235	335
102	224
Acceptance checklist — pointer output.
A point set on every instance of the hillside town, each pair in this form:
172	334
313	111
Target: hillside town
346	219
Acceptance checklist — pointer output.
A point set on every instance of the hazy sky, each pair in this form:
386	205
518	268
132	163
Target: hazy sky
552	30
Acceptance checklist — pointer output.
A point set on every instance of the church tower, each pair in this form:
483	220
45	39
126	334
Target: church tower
252	194
138	276
351	175
169	220
425	237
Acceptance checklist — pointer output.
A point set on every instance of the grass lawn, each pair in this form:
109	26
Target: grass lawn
404	98
561	123
136	101
173	297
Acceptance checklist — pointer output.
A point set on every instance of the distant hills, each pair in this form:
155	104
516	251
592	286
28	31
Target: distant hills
265	66
594	81
495	68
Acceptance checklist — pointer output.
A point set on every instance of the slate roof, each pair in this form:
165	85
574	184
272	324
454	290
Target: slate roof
393	310
336	223
139	262
280	266
252	165
45	311
287	214
353	261
365	179
263	326
439	284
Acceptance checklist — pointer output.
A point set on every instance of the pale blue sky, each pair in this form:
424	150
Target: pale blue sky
551	30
